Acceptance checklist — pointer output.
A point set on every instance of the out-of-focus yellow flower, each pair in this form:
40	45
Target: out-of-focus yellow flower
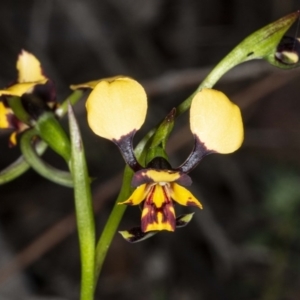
33	88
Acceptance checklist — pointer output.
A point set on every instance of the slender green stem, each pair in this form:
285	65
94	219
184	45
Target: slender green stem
16	105
72	99
112	223
84	210
20	166
44	169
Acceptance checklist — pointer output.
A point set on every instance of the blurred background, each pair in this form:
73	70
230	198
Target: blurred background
245	243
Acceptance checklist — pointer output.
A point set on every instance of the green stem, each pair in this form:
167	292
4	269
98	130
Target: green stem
72	99
20	166
112	223
84	210
15	104
44	169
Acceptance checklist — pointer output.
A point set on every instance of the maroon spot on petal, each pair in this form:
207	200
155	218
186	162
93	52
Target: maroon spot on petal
130	202
191	203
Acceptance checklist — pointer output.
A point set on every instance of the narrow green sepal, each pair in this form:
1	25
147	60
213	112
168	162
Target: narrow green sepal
158	142
72	99
163	131
135	234
50	130
154	153
183	220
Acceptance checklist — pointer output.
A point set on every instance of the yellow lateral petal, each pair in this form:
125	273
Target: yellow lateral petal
138	195
116	108
183	196
29	68
216	121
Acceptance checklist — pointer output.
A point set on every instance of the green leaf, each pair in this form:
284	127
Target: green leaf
19	166
84	209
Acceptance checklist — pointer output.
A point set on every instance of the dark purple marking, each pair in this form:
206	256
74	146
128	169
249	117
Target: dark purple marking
126	147
198	152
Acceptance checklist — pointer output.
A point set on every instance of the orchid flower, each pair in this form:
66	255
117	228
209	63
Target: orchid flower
116	109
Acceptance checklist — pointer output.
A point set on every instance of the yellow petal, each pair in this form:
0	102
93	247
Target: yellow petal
159	197
138	195
216	121
19	89
153	175
160	223
158	211
116	108
13	139
183	196
92	84
4	112
154	219
29	68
